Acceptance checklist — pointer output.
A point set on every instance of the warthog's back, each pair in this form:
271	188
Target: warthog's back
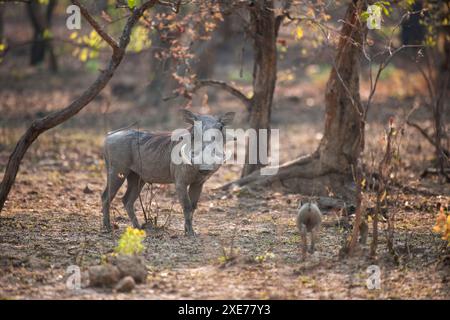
147	154
310	216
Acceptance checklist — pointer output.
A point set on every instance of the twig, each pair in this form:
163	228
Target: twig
426	135
224	86
105	36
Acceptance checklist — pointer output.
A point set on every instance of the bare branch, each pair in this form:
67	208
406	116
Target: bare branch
105	36
175	7
426	135
226	87
12	1
280	18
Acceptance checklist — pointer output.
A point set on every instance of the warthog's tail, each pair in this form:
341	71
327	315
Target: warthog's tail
123	128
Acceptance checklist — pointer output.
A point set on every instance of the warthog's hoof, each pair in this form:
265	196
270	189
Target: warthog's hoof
188	229
106	229
138	226
190	233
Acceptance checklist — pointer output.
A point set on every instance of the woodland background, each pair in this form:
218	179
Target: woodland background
308	68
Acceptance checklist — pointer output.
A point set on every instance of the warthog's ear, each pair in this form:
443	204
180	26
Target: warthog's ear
227	118
188	116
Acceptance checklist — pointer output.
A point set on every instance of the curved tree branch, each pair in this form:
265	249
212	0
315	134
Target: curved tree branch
52	120
226	87
102	33
426	135
12	1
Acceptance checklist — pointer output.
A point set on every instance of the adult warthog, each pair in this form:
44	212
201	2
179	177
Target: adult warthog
142	157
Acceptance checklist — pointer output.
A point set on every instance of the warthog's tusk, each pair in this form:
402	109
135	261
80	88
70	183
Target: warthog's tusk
227	156
185	157
219	158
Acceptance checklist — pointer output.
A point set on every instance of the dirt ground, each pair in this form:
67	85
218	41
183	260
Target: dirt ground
52	219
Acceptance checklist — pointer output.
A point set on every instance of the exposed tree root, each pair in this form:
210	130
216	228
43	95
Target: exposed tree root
305	175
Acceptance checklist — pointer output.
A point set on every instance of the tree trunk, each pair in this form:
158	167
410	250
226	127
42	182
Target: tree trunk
161	67
265	32
441	103
330	168
343	138
41	22
2	24
412	30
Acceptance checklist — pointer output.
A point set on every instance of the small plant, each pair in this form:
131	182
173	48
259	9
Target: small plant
264	257
443	225
228	255
130	242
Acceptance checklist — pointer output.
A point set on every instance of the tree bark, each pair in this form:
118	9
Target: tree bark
265	32
343	139
441	103
52	120
41	22
329	169
162	81
2	24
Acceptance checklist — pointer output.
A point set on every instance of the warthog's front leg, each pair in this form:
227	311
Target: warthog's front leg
188	210
195	190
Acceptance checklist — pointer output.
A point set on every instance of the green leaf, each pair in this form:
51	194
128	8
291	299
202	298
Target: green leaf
364	16
130	242
47	34
373	23
131	4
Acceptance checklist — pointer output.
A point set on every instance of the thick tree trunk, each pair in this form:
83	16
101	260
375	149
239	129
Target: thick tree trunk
161	79
2	24
208	52
329	168
442	98
161	68
343	139
264	22
412	30
41	22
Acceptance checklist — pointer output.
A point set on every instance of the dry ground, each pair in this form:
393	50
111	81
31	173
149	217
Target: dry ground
52	220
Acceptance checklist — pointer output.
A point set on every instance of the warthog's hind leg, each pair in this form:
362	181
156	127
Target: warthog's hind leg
113	184
304	240
313	241
134	188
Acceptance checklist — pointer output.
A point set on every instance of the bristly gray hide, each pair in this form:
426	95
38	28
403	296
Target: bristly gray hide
309	219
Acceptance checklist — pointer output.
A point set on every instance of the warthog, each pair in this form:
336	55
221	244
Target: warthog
309	219
142	157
